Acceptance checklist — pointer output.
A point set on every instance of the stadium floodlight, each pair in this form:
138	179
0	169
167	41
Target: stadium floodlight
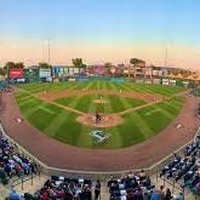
49	52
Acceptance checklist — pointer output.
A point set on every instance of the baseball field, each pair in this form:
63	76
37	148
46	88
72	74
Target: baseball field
130	113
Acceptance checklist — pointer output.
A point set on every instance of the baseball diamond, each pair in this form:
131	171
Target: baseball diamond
99	100
135	117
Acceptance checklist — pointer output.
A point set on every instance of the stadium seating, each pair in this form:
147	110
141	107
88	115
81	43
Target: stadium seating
184	170
130	187
12	163
4	85
60	187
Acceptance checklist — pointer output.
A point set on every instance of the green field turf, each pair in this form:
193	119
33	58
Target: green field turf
114	104
61	124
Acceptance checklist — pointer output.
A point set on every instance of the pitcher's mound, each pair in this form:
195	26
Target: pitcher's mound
107	120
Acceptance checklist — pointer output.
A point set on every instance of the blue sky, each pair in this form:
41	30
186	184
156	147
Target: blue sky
101	22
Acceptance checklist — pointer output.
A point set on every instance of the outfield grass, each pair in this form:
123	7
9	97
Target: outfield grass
102	85
62	125
114	104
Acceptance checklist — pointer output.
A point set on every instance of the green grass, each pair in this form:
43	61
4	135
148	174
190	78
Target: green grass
114	104
100	85
61	124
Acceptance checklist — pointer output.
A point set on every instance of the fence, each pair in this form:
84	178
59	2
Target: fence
23	179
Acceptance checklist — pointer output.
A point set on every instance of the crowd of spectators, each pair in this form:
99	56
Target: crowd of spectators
139	187
131	187
184	170
63	188
12	163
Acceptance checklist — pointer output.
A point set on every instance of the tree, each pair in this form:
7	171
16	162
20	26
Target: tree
121	65
77	62
176	71
19	65
185	73
9	65
84	66
108	65
109	68
44	65
2	71
132	68
135	62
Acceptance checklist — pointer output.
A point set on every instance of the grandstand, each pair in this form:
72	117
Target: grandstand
183	169
196	92
4	86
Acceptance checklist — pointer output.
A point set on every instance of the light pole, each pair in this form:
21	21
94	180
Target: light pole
166	54
49	52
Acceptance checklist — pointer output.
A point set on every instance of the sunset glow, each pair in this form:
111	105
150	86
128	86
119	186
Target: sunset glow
101	31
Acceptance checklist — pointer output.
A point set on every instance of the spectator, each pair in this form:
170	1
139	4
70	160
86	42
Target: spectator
130	195
147	182
97	190
28	196
142	175
156	195
168	194
197	188
14	195
179	196
162	194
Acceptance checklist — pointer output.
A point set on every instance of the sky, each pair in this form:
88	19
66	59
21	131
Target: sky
101	31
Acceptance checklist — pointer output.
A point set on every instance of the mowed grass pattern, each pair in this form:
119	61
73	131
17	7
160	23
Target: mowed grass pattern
113	103
62	125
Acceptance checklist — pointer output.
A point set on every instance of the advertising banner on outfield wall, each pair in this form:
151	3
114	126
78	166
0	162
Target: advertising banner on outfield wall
76	70
165	82
156	81
71	71
182	83
65	70
31	75
179	83
82	71
16	73
59	71
186	83
139	81
148	81
44	73
172	82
